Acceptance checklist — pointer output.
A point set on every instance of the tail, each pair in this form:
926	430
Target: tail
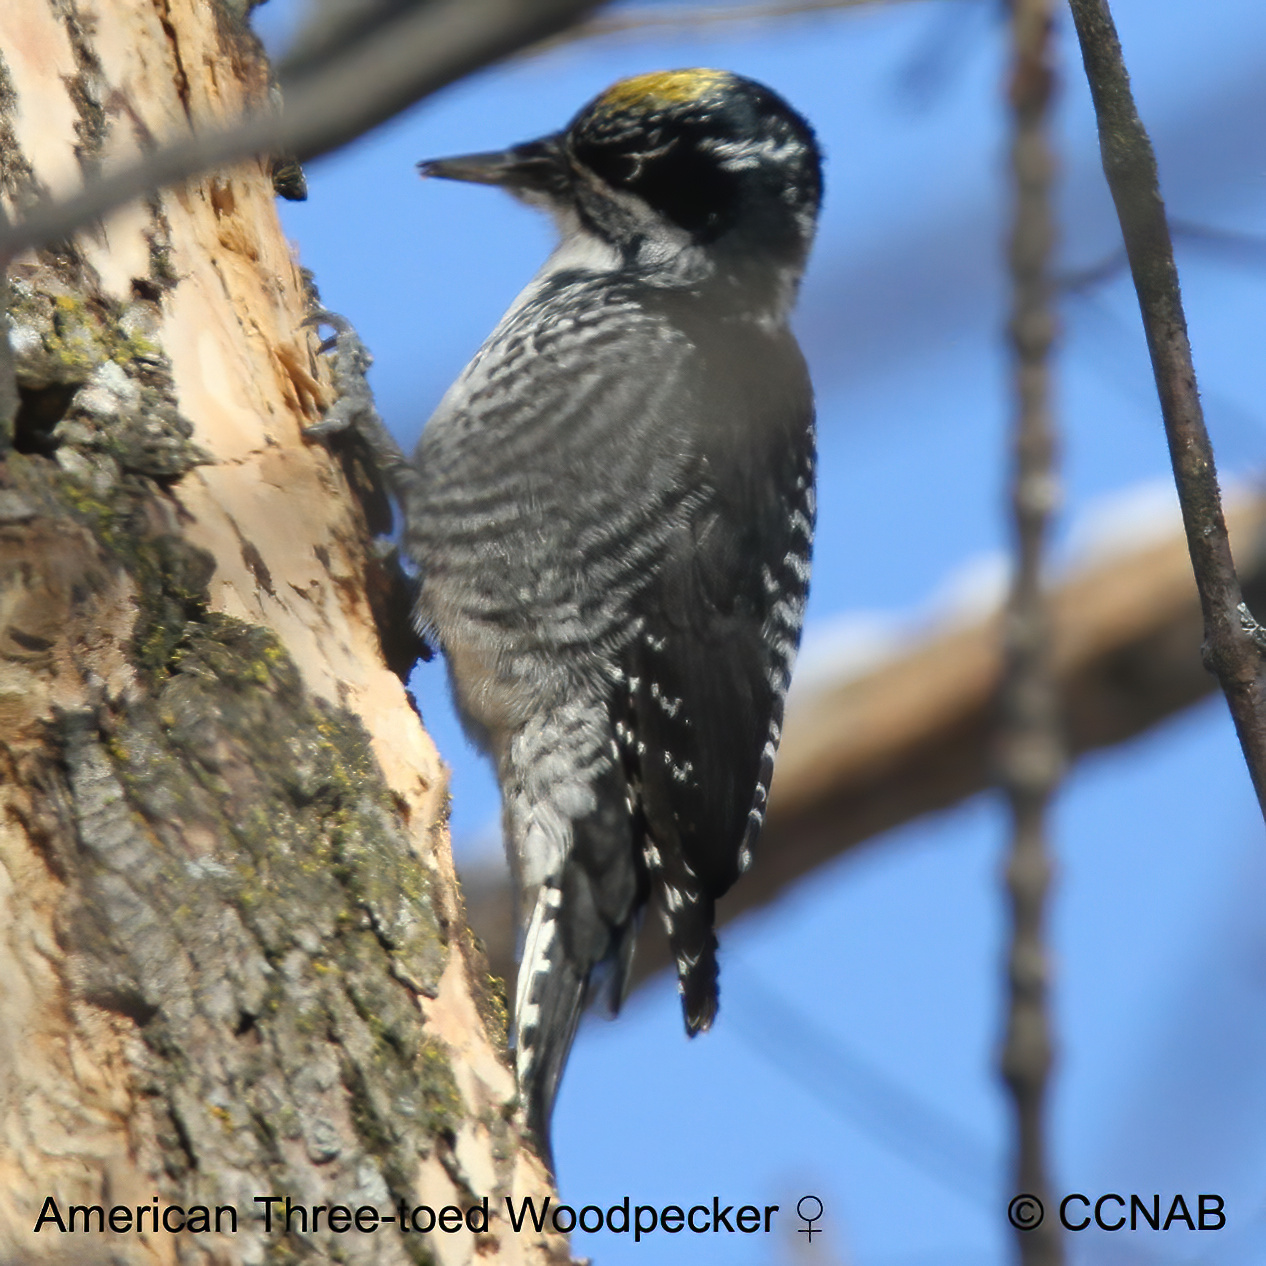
583	923
548	1001
697	981
689	914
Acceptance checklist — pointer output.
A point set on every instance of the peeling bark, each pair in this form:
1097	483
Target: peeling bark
233	955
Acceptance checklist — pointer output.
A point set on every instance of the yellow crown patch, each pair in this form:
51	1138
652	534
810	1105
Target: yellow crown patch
660	88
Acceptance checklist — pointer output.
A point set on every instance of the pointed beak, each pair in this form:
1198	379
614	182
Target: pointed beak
537	167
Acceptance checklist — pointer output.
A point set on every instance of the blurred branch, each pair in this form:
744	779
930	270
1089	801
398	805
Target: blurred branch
865	753
1030	748
800	1046
1248	247
1089	276
414	51
1130	166
696	16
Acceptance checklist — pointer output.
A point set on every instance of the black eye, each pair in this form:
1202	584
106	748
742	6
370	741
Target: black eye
616	166
679	181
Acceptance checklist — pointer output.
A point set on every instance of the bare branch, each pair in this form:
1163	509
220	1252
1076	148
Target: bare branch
686	18
423	49
1030	745
1130	165
864	753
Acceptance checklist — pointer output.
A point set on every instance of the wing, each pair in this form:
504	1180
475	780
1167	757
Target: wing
720	624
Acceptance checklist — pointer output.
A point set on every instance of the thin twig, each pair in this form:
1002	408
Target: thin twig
1130	165
694	17
1031	751
421	50
1249	247
1074	281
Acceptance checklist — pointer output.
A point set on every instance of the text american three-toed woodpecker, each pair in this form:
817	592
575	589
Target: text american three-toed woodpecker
612	515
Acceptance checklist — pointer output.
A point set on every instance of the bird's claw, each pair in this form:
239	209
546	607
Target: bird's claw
350	360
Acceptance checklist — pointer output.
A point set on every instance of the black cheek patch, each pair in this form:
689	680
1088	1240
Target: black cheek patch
690	189
681	184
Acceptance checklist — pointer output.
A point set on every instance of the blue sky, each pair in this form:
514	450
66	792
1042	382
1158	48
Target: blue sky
854	1055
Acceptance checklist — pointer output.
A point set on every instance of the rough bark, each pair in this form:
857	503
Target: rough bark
233	956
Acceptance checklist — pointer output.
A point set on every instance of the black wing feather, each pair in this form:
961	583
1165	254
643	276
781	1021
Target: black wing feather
708	670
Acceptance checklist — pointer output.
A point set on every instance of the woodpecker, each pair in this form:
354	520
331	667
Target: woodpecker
611	512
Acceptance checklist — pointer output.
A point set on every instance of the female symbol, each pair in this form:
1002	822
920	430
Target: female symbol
810	1218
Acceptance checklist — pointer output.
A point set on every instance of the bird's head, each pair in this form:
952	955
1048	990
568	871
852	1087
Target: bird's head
701	165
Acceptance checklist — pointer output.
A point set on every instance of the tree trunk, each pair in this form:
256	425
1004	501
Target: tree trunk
233	956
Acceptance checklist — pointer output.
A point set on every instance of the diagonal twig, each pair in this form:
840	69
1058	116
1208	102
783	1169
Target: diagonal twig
1030	744
1129	163
686	18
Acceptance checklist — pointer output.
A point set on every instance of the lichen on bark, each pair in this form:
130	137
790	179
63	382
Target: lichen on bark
236	882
